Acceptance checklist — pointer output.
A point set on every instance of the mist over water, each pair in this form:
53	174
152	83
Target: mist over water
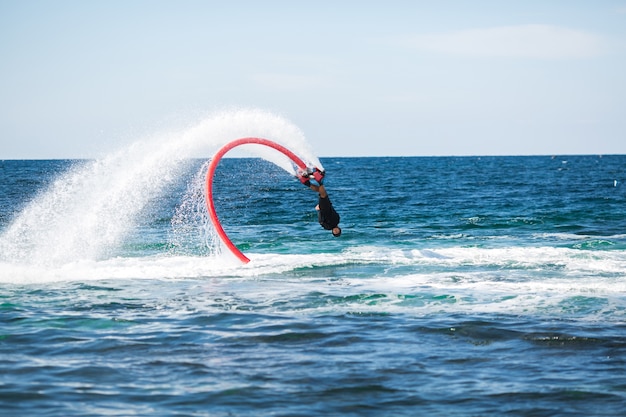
87	212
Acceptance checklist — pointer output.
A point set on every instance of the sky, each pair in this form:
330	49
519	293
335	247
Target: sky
359	78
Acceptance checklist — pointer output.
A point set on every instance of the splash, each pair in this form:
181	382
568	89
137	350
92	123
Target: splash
87	212
192	230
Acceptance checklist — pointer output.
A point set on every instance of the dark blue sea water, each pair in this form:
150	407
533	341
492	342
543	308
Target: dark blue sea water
462	286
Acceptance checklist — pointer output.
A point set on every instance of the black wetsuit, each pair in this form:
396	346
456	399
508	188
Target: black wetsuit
327	215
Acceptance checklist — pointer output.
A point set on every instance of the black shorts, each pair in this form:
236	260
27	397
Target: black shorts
327	215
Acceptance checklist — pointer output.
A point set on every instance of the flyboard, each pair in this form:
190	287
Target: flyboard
209	184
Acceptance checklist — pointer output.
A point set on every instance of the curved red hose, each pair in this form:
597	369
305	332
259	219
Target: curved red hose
209	184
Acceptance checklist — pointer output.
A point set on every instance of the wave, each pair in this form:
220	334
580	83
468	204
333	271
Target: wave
557	282
506	263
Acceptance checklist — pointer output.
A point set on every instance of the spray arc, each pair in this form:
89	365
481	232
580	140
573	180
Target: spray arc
209	184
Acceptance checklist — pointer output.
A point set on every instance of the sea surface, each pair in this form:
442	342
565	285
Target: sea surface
461	286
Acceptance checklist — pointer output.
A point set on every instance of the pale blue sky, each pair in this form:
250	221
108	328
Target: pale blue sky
369	78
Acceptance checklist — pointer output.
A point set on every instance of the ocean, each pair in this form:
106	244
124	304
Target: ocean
461	286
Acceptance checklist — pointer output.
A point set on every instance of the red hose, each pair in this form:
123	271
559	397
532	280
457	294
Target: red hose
209	184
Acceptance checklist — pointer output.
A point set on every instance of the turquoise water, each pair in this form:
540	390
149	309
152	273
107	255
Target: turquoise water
460	286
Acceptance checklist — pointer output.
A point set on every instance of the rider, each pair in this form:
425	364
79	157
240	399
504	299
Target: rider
326	214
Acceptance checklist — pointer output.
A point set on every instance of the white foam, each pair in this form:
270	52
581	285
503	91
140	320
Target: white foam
162	266
516	257
417	282
504	267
